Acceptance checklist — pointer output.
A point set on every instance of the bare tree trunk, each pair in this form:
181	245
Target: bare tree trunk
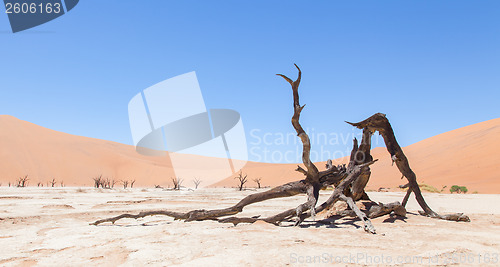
379	122
311	172
242	179
177	182
196	182
257	181
125	184
362	156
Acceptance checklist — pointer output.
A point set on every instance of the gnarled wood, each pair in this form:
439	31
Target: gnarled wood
379	122
312	171
286	190
382	209
349	181
362	156
374	210
337	195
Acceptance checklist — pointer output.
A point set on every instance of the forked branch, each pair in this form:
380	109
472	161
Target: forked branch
312	173
379	122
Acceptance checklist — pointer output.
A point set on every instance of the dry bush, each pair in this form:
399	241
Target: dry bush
428	188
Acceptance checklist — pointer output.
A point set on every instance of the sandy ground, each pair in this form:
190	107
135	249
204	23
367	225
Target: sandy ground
50	227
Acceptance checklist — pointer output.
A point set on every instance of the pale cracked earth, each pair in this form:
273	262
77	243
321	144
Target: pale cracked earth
50	227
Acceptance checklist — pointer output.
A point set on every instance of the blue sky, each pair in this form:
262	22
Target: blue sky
431	66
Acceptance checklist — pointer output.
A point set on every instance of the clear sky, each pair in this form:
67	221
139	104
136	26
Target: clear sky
431	66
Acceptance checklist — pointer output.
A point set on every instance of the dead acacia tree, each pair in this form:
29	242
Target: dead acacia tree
106	183
22	181
242	179
97	181
349	181
177	182
257	181
196	182
53	182
124	183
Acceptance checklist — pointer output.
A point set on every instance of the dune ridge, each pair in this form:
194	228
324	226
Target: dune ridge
44	154
466	156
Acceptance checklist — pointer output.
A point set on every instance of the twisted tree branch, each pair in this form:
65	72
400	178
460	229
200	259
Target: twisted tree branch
349	182
379	122
312	171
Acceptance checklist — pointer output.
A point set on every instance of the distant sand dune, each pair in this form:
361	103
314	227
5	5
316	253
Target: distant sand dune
467	156
43	154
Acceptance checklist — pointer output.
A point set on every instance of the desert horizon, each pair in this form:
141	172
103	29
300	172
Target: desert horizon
441	161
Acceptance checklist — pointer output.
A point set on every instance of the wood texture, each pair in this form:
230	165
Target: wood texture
349	181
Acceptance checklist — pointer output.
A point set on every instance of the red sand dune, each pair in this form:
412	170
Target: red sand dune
44	154
467	156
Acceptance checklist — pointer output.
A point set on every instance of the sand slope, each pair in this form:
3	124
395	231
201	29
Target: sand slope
43	154
467	156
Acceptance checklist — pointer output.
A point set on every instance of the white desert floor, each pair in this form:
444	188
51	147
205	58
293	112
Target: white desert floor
50	227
